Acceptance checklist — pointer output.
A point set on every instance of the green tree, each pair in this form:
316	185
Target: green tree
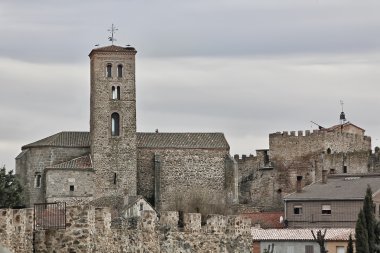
350	246
368	210
361	234
10	189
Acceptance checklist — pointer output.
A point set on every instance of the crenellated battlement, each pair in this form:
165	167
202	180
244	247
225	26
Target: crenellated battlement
88	229
260	154
316	132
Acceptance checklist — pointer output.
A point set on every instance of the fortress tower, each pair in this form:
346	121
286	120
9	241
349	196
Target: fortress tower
113	120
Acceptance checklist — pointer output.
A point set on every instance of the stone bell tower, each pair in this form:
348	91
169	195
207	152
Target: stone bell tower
113	120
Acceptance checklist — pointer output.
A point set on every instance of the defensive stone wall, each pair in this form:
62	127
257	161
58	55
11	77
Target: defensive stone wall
350	162
270	174
287	145
89	230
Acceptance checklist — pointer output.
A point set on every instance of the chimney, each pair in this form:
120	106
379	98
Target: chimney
324	176
299	184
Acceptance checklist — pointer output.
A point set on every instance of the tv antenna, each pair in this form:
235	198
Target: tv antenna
112	30
319	126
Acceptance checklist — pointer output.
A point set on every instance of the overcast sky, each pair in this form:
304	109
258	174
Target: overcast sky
243	67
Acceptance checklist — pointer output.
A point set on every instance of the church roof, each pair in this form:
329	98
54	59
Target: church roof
113	48
83	162
63	139
182	140
144	140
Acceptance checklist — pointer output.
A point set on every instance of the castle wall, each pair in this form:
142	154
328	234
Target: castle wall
266	177
89	230
34	161
287	146
58	182
350	162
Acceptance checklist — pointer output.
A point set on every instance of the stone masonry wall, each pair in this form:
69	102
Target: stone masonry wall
287	146
35	160
113	156
184	173
16	229
354	162
58	182
266	177
89	230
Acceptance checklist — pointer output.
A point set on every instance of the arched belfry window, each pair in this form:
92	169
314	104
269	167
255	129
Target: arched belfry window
109	70
116	92
119	70
115	124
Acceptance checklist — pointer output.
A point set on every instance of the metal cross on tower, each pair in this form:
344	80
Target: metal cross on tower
112	30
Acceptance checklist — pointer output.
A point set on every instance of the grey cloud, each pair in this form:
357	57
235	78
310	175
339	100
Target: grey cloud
245	68
51	31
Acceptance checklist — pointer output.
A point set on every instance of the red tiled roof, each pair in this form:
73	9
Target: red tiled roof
265	219
113	48
333	128
301	234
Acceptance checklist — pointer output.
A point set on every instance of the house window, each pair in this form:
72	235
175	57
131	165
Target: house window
114	178
309	249
141	206
340	249
115	124
344	169
71	188
37	181
297	209
119	70
326	209
116	92
109	70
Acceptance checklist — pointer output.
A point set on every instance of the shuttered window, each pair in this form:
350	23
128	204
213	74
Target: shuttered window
309	249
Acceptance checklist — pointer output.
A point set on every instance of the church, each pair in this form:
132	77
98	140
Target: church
113	161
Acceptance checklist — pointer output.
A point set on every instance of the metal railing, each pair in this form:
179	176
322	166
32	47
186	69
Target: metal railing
49	216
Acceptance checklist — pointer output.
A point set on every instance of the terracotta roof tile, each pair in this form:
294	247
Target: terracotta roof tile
144	140
113	48
83	162
265	219
182	140
301	234
63	139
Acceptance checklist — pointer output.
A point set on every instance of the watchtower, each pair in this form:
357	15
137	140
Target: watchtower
113	120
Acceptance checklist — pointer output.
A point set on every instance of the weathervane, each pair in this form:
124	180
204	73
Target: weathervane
112	30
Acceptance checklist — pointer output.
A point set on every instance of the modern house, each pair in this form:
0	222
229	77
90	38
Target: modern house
333	202
300	240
